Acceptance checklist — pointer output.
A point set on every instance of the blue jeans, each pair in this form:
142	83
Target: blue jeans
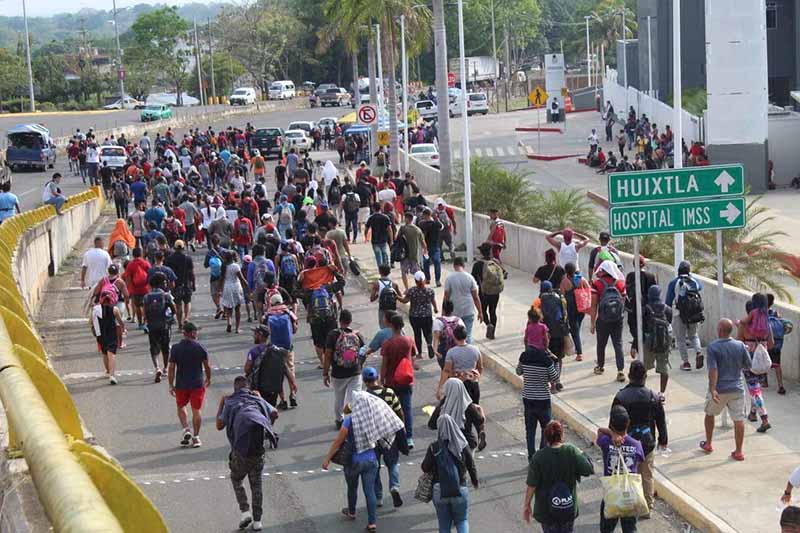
468	320
391	458
282	229
435	258
537	412
367	472
451	511
575	331
242	249
351	225
404	395
381	252
57	202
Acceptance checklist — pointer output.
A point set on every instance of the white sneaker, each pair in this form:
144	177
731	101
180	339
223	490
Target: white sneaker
246	520
112	380
196	442
187	438
257	525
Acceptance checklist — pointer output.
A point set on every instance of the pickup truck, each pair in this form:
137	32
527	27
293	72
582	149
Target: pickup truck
30	146
337	96
267	141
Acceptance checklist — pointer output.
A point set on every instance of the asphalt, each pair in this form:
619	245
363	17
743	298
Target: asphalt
136	422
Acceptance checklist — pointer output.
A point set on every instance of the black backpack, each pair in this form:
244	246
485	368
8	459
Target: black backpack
155	310
335	195
657	339
399	249
387	297
555	314
260	371
690	303
611	307
560	504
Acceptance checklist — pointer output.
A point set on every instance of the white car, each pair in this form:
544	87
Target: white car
115	156
127	103
305	125
425	153
281	90
243	96
477	103
327	121
427	109
297	139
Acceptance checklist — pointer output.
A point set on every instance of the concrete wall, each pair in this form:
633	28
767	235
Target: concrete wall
45	247
784	130
427	177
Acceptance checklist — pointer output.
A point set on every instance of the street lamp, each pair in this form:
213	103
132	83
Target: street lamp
380	73
28	57
404	68
120	68
465	139
588	54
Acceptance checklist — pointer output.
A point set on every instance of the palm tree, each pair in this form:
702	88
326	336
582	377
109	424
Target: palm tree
560	209
608	17
443	113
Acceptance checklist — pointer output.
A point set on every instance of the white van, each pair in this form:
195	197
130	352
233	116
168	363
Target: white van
281	90
243	96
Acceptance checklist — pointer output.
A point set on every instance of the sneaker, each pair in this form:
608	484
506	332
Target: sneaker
410	443
112	380
246	520
699	361
599	370
292	401
196	442
752	417
686	366
763	428
396	499
257	525
187	437
579	358
282	405
191	245
621	377
145	329
158	375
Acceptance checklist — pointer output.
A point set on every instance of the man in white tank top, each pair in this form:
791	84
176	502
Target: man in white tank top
569	246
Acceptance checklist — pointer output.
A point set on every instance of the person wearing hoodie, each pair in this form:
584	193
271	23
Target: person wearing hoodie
656	318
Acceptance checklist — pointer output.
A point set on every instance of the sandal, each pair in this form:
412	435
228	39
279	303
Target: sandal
781	390
371	528
346	513
738	456
706	446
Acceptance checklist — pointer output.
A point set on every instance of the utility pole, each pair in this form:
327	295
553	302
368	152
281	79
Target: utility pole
494	47
404	70
468	237
649	58
588	54
120	68
677	102
199	66
211	55
508	67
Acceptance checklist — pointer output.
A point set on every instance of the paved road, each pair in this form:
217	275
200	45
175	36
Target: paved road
136	422
28	185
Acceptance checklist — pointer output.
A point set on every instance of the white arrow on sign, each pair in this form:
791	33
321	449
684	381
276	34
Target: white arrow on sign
724	181
730	213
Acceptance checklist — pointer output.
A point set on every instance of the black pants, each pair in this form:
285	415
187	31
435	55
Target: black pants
632	328
474	391
537	413
122	208
422	325
489	304
605	330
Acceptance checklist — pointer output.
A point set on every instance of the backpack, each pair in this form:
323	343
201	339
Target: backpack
447	473
776	325
321	306
345	354
381	159
215	265
285	217
155	310
242	229
258	190
658	339
139	276
759	325
119	190
288	266
334	195
280	326
560	504
106	287
120	249
399	249
351	202
387	296
151	249
171	227
446	337
554	313
248	211
611	306
493	281
690	302
258	375
444	218
260	273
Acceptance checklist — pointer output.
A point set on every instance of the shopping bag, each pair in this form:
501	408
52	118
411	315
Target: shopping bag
569	345
424	492
761	360
623	493
583	299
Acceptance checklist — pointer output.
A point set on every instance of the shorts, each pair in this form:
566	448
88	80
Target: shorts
193	396
734	401
138	299
189	233
214	286
182	295
775	355
159	341
258	296
659	361
106	346
363	214
408	266
320	330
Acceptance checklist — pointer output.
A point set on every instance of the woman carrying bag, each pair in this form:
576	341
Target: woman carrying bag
465	413
448	460
370	423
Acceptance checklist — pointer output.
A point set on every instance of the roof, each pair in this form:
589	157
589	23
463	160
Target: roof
30	128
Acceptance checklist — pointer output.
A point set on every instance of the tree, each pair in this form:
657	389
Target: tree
14	74
159	43
560	209
48	71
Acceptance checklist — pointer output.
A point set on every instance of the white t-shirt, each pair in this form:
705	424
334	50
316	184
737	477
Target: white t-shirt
96	261
386	195
568	253
92	155
794	478
459	286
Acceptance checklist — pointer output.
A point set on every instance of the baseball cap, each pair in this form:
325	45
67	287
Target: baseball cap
179	245
369	374
190	326
264	330
276	299
419	276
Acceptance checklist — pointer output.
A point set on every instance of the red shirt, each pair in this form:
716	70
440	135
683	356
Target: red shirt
239	237
180	214
136	276
393	351
599	288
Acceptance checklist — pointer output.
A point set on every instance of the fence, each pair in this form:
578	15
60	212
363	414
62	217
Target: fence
81	489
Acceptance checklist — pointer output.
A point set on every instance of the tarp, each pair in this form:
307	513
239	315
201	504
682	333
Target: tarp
30	128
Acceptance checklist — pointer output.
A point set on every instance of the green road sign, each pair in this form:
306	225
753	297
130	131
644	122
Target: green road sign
675	184
675	217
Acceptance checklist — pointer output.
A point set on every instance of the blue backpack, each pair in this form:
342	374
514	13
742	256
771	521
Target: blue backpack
280	327
288	266
215	264
447	472
321	307
778	329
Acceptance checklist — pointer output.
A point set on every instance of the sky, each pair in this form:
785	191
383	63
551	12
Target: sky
44	8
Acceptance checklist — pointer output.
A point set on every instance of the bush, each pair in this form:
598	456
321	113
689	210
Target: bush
556	210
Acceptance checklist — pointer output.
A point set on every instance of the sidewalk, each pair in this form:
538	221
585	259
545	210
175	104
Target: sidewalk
713	492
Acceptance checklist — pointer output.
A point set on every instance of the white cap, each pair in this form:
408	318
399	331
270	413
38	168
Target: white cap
419	276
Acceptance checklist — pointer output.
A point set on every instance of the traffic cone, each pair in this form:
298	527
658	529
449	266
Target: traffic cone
568	104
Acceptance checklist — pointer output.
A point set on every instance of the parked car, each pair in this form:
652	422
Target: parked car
425	153
337	96
155	112
322	87
297	139
115	156
243	96
267	141
127	103
477	103
427	109
305	125
281	90
30	146
327	121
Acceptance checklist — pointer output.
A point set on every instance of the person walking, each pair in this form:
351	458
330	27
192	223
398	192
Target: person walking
159	308
449	460
185	285
684	293
657	335
572	281
490	276
608	309
421	299
234	284
462	289
647	280
497	234
382	234
647	421
188	360
95	264
104	321
727	358
282	322
555	316
342	364
136	277
247	420
457	403
754	330
553	473
397	371
386	292
446	216
370	420
432	230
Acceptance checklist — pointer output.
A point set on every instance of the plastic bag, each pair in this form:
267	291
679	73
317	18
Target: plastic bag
623	493
761	360
424	492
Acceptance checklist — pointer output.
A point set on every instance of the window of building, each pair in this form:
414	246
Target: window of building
772	16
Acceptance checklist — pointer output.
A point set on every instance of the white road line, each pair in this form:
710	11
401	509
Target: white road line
478	152
456	154
500	152
80	320
490	152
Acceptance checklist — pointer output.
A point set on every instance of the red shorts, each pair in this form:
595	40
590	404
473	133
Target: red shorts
195	396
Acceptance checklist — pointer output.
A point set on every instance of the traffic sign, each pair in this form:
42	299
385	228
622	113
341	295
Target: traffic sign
367	114
121	74
383	138
675	184
451	79
564	92
676	217
538	96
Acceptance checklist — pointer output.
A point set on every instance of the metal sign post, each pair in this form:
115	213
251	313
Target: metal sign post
638	280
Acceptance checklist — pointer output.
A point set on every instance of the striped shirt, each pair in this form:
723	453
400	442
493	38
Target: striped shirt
537	370
388	395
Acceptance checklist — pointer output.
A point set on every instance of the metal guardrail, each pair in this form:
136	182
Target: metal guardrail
81	490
